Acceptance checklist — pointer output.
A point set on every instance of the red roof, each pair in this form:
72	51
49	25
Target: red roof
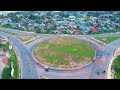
93	30
95	25
1	49
75	30
66	23
5	59
46	16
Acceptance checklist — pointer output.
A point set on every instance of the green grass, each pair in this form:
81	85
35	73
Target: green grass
104	31
5	46
6	74
108	39
64	52
116	67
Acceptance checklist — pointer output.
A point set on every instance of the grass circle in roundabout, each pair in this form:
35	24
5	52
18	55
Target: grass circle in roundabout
64	52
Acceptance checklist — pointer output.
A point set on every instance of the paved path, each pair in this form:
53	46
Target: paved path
80	73
32	70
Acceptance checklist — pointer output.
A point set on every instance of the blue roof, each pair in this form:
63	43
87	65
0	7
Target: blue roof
2	53
78	23
82	26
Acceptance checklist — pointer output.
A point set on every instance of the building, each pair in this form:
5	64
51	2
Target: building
5	59
3	56
72	18
93	30
2	53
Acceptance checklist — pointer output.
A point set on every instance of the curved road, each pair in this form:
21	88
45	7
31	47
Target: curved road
32	70
28	69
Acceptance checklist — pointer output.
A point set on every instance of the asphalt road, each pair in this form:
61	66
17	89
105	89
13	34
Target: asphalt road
32	70
28	68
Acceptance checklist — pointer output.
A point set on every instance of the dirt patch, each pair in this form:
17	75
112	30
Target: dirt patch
25	38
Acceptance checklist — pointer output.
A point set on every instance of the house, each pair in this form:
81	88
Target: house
2	53
46	17
2	20
75	31
78	24
72	18
59	31
36	24
66	23
93	30
31	28
5	59
1	49
3	42
3	56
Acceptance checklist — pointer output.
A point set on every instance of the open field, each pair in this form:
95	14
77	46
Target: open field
108	39
64	52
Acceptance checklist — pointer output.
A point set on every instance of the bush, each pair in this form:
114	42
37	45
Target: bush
6	74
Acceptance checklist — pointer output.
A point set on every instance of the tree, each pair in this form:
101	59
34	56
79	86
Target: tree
37	29
1	16
6	74
26	24
32	17
14	17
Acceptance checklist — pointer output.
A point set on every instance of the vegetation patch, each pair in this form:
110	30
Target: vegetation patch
6	73
108	39
25	38
64	52
116	67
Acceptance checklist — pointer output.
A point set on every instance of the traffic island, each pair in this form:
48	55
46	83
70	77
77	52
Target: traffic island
64	53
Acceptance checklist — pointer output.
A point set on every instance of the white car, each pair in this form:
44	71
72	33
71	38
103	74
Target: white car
46	68
97	56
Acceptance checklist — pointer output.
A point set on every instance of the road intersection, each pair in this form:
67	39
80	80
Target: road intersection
30	69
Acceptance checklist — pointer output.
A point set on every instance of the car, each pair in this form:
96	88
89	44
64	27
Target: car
46	68
97	56
98	72
93	61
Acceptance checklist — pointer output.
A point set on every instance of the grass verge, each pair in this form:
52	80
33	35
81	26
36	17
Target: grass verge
116	67
6	74
108	39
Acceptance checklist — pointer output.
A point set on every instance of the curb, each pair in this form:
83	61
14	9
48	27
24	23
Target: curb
17	54
18	62
64	69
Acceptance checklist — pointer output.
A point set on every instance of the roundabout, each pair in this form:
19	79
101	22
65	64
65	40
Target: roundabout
64	52
32	69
